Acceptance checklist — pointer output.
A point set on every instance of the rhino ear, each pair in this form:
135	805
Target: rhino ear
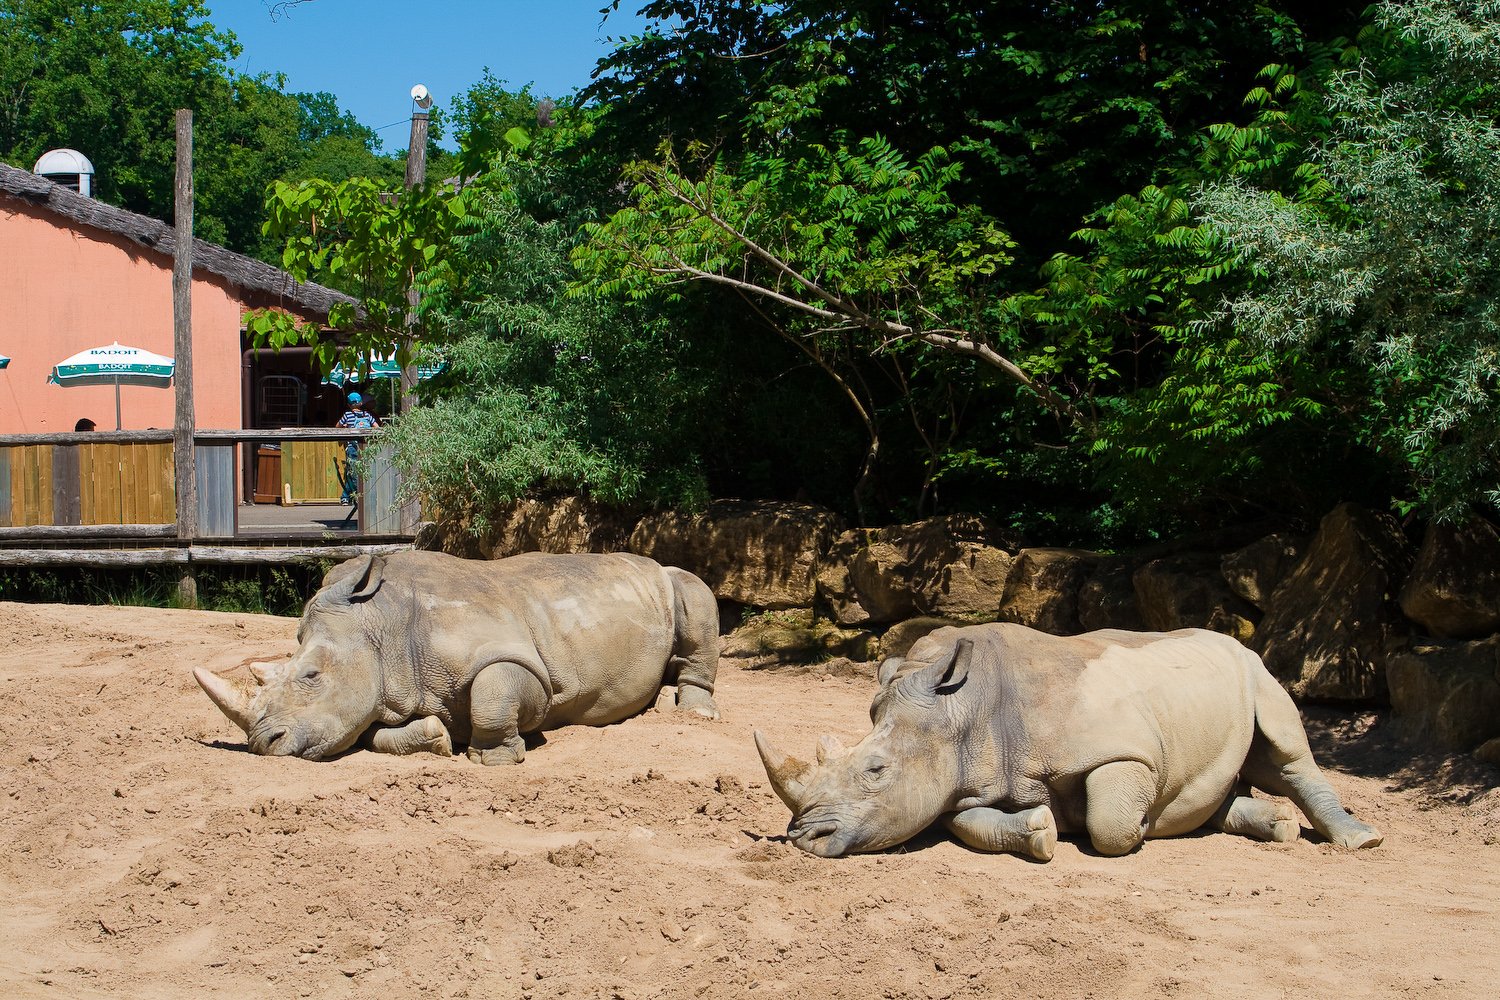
889	669
947	674
356	580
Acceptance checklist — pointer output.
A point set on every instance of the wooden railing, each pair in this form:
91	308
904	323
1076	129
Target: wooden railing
119	484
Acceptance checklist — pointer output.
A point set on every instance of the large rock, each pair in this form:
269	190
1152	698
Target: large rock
761	553
559	525
794	636
1043	587
1189	591
1454	586
1328	625
1255	571
836	595
947	566
1107	598
1448	692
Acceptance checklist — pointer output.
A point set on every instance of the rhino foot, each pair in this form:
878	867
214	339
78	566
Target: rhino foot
697	701
508	752
1286	826
437	739
1041	842
424	735
1357	835
1031	832
1260	819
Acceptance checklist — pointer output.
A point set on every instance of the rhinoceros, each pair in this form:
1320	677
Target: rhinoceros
421	651
1012	736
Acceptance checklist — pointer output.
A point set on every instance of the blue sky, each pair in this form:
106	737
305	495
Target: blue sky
369	53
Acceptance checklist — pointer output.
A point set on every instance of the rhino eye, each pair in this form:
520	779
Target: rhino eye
876	769
312	674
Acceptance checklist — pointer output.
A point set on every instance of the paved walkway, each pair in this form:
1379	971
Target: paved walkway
297	519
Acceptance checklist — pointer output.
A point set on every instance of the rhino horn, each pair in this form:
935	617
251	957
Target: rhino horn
829	748
266	671
230	699
787	774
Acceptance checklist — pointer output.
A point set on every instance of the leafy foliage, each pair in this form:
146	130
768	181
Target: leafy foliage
382	248
1213	263
549	393
1390	264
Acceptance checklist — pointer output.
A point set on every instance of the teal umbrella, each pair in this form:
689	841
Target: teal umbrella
116	365
378	367
371	368
4	361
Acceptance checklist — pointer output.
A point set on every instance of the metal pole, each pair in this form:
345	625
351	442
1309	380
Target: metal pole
184	421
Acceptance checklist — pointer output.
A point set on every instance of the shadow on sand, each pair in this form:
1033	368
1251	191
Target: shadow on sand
1369	744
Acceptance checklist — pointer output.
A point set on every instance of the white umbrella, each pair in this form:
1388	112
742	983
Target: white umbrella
114	364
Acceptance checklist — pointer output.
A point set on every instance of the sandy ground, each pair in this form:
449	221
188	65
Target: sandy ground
147	854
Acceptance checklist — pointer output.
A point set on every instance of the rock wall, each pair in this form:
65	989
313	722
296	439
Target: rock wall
1353	613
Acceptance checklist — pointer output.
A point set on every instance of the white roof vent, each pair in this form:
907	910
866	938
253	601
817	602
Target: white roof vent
69	168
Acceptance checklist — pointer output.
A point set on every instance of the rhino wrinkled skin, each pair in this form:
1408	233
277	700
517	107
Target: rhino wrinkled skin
1012	736
424	651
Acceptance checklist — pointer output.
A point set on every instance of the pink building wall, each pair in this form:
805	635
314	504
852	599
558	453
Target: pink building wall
65	288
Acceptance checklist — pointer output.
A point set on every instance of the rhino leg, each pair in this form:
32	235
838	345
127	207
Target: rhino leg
1260	819
695	661
1120	795
424	735
1280	762
1032	832
692	697
505	700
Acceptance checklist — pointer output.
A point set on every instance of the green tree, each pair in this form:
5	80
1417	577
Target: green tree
107	77
546	392
1387	265
908	181
391	250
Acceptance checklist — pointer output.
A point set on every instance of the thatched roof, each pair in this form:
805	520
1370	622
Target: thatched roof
247	273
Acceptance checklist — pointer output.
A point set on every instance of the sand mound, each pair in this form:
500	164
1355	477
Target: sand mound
147	854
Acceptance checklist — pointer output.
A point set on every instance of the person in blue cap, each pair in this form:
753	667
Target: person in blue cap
354	418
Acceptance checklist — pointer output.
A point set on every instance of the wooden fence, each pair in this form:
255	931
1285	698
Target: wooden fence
103	483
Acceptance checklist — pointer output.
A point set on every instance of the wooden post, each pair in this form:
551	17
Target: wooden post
416	173
184	422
